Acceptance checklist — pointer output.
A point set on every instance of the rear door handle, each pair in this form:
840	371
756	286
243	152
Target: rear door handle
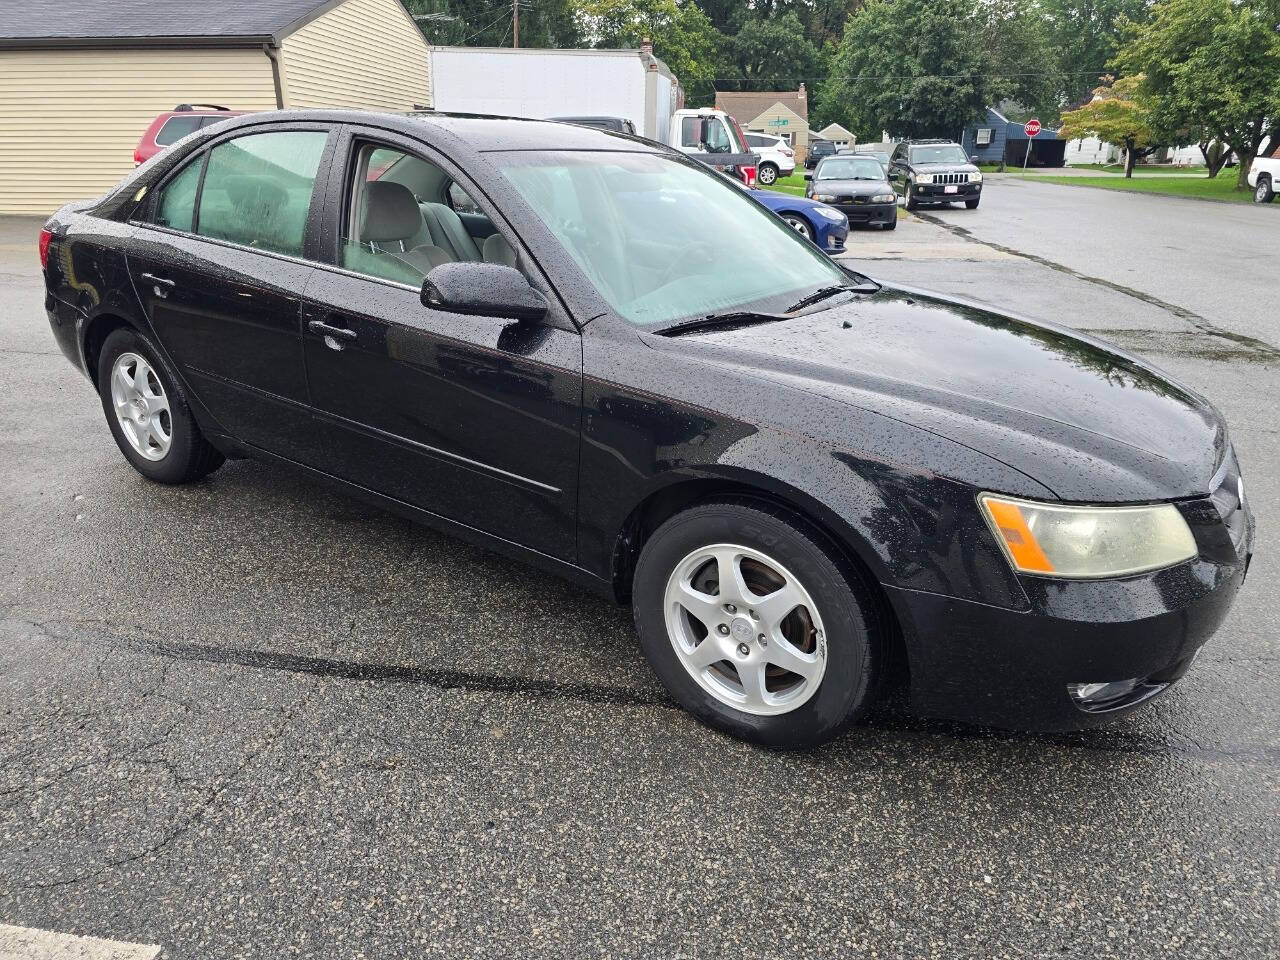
338	333
159	281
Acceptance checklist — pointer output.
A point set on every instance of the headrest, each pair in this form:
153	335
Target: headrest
497	250
389	213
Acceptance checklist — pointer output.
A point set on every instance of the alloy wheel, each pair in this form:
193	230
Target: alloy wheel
745	629
767	174
141	406
800	227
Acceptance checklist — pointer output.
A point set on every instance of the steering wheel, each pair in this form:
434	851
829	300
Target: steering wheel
695	252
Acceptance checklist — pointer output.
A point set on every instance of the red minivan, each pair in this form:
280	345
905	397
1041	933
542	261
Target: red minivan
177	123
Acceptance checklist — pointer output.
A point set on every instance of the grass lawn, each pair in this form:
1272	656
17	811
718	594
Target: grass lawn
1222	187
793	185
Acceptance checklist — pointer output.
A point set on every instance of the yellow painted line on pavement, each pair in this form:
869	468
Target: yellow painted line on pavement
27	943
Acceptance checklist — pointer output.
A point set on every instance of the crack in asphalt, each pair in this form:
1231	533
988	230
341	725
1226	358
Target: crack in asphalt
885	721
1253	349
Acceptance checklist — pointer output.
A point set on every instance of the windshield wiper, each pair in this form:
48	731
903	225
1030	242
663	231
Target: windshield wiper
823	293
720	321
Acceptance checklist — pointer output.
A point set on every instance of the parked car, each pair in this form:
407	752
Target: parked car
597	356
817	150
615	124
777	159
935	172
858	187
878	150
824	225
1264	177
170	127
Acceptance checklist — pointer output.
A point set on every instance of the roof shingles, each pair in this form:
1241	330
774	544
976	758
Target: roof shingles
71	21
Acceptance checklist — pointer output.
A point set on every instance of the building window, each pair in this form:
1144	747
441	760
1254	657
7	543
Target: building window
983	138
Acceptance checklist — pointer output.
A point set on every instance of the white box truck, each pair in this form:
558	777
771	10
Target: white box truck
631	85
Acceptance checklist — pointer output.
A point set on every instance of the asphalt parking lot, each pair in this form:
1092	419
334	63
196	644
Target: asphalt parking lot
250	718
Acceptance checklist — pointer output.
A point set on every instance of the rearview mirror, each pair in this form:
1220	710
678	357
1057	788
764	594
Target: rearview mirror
482	289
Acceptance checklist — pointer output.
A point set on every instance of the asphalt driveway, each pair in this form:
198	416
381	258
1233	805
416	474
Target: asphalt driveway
250	718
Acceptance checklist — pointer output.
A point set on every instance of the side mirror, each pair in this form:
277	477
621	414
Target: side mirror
483	289
808	175
704	132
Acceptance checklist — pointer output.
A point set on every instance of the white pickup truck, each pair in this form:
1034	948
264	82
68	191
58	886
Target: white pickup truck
1264	177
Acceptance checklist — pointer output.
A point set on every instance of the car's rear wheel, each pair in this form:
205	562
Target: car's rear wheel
148	413
1263	192
767	174
799	224
754	627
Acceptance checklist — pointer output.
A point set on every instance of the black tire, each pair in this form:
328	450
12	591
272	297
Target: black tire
801	226
767	174
190	456
1263	192
848	611
912	202
892	224
972	204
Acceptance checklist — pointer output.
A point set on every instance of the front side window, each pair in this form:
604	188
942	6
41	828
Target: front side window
176	207
661	240
401	219
257	190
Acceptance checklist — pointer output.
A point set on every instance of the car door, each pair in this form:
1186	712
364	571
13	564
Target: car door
473	418
897	164
218	263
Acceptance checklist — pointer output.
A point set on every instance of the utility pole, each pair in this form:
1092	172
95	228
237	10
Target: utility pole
515	24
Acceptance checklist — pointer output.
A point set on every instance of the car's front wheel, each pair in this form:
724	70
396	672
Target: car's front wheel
147	411
1263	192
755	627
971	204
910	194
767	174
799	224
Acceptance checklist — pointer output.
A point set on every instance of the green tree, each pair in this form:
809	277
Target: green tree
1116	114
916	68
1085	34
483	23
1212	66
682	35
769	53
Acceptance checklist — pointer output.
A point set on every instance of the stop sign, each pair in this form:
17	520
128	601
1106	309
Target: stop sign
1032	127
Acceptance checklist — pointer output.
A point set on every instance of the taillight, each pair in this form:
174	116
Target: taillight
749	176
45	237
787	151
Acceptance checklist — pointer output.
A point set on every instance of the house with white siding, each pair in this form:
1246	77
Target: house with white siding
80	80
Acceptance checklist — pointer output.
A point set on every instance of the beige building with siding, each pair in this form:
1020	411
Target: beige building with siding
80	80
783	113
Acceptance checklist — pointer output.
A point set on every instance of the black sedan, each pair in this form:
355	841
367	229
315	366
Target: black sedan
858	187
593	354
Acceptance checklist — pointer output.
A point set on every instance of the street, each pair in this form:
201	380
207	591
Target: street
252	718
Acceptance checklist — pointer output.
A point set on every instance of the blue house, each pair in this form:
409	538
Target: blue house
998	139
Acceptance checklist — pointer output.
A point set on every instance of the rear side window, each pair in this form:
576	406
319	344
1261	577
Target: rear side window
177	205
257	190
175	128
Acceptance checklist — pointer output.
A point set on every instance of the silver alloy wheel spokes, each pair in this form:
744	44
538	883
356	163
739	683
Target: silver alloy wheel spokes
800	227
141	406
746	629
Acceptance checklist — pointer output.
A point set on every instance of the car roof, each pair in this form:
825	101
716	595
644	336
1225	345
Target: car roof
478	132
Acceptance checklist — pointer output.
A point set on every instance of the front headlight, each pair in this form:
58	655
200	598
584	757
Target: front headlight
884	198
1053	540
833	215
924	178
824	197
975	177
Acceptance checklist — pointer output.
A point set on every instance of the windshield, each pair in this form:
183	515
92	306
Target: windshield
663	241
943	153
850	168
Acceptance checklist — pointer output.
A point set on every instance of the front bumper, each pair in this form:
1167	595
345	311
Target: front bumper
937	192
834	238
990	665
867	212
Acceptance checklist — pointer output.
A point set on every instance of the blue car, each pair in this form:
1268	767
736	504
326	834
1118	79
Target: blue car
824	225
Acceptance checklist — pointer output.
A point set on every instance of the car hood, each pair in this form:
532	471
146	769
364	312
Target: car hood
852	188
944	168
1088	422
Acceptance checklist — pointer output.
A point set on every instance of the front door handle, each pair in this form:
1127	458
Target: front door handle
331	332
159	281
